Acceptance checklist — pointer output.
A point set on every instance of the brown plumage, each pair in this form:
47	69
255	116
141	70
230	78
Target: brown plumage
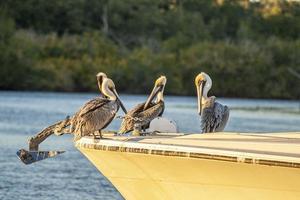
139	115
95	115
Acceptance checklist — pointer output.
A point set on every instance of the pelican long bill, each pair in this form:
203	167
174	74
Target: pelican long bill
154	92
121	103
200	94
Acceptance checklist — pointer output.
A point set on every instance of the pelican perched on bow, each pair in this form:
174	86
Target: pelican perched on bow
144	113
214	116
96	114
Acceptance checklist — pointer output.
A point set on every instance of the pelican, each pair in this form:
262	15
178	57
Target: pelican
144	113
214	116
96	114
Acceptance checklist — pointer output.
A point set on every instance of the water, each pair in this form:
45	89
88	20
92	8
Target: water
70	175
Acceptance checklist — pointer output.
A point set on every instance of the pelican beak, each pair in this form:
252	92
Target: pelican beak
119	100
153	94
199	95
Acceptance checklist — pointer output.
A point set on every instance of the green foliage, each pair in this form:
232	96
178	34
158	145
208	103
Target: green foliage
60	45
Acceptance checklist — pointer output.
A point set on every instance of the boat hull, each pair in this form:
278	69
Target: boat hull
144	176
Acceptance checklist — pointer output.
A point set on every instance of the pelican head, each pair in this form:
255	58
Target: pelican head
157	91
203	84
100	77
109	90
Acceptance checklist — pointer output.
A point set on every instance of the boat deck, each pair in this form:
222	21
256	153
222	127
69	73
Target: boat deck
282	149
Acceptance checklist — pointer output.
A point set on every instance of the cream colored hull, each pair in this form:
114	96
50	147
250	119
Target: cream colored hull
138	175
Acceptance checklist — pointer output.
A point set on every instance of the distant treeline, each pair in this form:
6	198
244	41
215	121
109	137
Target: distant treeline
60	45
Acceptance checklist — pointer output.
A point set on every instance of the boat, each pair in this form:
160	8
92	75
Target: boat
227	166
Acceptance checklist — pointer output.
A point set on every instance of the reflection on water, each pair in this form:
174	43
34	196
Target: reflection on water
71	176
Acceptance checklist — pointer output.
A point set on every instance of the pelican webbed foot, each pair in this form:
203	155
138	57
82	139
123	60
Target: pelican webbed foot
99	135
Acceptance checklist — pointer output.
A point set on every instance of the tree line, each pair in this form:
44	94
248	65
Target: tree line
60	45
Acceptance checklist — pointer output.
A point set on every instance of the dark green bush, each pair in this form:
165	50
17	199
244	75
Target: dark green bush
61	45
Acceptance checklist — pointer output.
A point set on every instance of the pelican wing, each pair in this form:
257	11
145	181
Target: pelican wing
128	121
137	109
152	112
214	118
223	118
92	105
137	114
86	114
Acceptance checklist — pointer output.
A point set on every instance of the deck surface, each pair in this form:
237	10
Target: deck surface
279	149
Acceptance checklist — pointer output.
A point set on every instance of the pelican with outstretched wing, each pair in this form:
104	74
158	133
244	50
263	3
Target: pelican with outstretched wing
214	116
144	113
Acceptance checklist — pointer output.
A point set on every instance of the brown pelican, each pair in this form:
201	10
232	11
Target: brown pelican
214	116
141	115
97	113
